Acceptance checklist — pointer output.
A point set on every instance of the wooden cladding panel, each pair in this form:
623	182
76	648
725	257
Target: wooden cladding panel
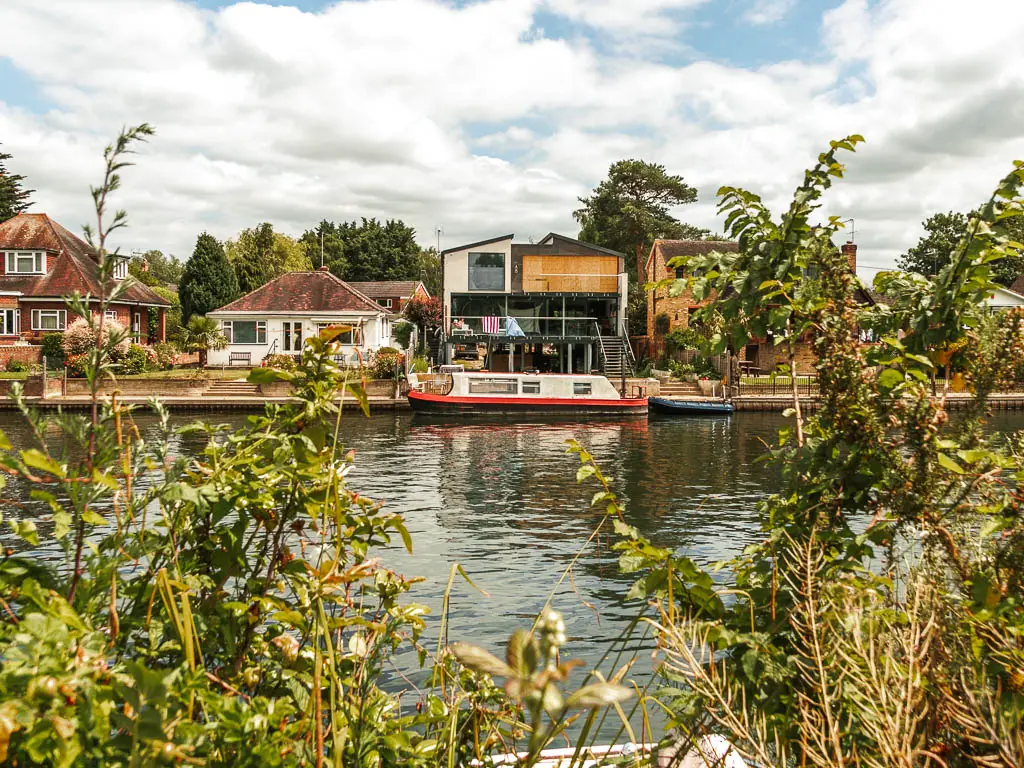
570	274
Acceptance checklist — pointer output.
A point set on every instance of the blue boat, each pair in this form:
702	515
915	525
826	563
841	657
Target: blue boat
689	407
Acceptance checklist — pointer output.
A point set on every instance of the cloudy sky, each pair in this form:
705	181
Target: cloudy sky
493	116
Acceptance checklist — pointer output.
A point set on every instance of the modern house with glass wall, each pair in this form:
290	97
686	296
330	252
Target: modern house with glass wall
557	305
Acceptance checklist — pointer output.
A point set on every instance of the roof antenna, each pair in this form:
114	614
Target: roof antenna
853	229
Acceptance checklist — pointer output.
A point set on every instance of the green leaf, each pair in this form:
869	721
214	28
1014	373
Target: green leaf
38	460
5	444
587	470
104	479
25	529
598	695
358	391
948	463
889	379
268	375
479	660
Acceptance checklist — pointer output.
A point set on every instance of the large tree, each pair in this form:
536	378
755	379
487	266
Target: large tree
164	270
629	210
430	270
14	198
943	232
366	250
209	281
251	255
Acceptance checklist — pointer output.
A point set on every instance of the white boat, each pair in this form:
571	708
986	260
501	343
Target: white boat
465	393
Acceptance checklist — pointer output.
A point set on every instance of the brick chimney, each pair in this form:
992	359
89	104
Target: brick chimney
850	252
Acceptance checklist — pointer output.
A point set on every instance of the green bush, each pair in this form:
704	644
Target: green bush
662	323
53	349
135	360
401	332
683	338
420	364
16	366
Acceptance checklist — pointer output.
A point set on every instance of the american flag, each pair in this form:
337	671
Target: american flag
492	324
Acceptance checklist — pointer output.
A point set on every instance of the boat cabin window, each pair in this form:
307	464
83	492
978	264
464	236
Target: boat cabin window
492	386
531	387
582	388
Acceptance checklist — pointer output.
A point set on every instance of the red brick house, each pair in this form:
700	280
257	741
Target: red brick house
393	295
659	302
40	263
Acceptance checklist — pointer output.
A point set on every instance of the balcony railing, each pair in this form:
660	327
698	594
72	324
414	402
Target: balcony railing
531	326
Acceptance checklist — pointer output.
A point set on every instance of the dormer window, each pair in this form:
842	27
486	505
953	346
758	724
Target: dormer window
26	262
120	268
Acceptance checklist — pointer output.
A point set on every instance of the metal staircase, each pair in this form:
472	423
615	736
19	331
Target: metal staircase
616	356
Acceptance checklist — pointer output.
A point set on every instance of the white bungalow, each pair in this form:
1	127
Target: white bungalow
277	317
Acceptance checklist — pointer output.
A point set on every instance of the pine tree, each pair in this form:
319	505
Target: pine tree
209	281
13	198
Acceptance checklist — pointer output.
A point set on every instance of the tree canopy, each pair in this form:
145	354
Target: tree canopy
943	233
209	281
366	250
14	198
260	255
160	269
629	210
430	270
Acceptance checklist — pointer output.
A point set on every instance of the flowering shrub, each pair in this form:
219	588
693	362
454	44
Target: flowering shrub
165	353
386	363
76	365
283	362
79	338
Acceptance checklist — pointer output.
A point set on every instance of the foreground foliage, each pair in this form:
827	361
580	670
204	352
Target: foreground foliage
879	622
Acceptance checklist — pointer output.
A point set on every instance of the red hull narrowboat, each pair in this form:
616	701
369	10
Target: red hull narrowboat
485	394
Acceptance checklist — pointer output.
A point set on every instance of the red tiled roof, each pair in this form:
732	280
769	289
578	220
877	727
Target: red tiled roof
670	249
385	289
74	269
318	291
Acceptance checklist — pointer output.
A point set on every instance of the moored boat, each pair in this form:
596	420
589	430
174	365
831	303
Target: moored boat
464	393
689	407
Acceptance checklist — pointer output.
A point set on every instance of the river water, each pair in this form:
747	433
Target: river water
502	500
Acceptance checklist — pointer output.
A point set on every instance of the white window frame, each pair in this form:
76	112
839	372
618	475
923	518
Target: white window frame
386	303
10	320
355	335
38	262
120	267
110	314
227	327
291	335
60	314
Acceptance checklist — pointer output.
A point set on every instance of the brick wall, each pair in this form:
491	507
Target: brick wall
660	302
30	355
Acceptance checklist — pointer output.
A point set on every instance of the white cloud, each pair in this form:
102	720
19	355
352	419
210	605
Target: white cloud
395	108
768	11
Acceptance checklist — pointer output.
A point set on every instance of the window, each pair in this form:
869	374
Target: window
582	388
352	337
386	303
487	271
26	263
137	323
492	386
49	319
120	268
8	322
680	273
110	314
292	338
531	387
245	331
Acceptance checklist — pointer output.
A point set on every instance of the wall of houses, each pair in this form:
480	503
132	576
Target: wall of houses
376	334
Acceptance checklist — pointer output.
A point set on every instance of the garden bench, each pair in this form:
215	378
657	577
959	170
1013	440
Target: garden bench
242	358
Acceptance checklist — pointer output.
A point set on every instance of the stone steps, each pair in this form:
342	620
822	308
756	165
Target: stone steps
233	389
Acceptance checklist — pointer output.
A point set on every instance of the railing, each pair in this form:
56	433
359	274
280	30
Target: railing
435	383
775	386
532	326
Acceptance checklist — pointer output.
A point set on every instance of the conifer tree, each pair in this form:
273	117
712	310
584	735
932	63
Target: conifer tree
14	199
209	281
